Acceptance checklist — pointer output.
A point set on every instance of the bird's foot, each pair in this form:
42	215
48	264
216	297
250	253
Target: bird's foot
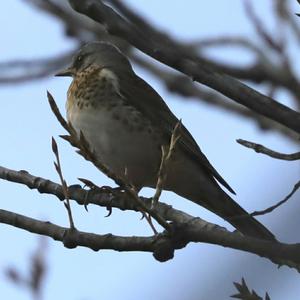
101	189
113	192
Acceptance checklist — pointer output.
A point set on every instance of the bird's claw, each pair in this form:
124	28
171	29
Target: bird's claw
88	183
109	209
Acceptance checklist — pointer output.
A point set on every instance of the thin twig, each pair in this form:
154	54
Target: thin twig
19	71
167	153
273	207
262	149
63	183
34	279
260	28
231	41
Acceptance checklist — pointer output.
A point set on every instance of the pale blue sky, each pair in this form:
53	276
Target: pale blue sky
198	271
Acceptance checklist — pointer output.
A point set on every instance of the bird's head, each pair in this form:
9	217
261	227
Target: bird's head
99	54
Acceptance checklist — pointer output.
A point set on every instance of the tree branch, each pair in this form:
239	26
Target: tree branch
171	53
273	207
185	228
182	85
72	238
264	150
19	71
263	69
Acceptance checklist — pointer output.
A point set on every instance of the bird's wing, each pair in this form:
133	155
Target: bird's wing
149	102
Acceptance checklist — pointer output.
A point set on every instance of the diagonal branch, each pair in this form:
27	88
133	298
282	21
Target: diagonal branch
273	207
182	85
171	53
81	28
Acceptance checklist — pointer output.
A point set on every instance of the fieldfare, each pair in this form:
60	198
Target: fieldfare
126	122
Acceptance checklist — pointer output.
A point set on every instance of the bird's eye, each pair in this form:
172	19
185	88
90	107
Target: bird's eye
78	61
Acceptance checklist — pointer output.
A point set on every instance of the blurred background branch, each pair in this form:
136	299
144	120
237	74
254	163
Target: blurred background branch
33	281
271	64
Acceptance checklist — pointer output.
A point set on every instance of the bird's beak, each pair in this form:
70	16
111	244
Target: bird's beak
69	72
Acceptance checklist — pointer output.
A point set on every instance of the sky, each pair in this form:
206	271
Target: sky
199	271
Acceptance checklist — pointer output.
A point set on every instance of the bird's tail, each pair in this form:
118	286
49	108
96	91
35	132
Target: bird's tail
206	192
232	212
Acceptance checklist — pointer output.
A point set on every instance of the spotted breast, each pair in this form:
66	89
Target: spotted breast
123	139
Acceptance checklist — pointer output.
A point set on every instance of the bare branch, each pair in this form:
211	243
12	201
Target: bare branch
264	150
84	29
223	41
63	183
162	246
34	280
74	238
273	207
260	29
19	71
75	26
186	228
171	53
100	197
185	87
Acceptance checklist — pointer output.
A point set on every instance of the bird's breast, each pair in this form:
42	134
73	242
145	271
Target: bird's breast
123	139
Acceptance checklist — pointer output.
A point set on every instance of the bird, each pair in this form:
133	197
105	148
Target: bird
126	122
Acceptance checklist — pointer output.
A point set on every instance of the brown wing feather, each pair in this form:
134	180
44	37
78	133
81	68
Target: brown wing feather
149	102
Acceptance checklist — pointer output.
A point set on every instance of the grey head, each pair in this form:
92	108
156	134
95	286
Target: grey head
102	54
